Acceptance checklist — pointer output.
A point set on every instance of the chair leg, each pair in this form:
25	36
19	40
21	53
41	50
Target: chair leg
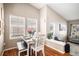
43	52
31	52
35	53
27	52
18	53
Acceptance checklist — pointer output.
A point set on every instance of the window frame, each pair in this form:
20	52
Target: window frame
11	25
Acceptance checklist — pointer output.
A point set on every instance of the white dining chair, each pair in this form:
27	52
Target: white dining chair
38	44
22	47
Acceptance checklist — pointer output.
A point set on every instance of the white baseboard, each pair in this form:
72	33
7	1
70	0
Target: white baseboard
9	48
55	49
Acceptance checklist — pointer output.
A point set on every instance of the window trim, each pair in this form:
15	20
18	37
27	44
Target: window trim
10	25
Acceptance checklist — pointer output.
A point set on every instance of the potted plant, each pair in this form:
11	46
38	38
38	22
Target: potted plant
49	35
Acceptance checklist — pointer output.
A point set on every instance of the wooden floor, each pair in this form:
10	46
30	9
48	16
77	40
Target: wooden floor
48	52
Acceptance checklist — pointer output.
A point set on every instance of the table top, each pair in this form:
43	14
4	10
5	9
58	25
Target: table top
29	41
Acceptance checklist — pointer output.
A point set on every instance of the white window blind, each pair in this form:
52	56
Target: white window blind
17	26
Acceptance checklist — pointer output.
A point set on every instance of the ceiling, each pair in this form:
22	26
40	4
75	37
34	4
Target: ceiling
38	5
69	11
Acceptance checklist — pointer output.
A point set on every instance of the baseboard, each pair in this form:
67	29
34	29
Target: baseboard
7	49
55	49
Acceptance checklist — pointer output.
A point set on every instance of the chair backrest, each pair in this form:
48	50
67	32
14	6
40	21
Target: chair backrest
39	41
22	45
35	35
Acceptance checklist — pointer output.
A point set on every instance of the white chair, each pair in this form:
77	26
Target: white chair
21	47
38	45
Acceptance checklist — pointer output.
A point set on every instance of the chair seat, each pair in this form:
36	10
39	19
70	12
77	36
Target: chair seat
36	48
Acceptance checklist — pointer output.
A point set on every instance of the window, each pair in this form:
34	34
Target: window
32	24
17	26
75	30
